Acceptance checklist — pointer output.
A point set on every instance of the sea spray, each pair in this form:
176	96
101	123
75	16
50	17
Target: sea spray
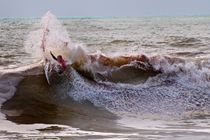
52	34
53	37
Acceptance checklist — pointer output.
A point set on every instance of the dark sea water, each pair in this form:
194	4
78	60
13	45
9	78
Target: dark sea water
131	103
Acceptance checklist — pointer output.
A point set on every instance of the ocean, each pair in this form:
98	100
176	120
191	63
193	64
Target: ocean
127	78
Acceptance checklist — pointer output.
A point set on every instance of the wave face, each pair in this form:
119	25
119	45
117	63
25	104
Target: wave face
141	69
162	95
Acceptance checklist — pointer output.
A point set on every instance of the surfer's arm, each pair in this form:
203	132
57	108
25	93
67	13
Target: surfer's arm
53	56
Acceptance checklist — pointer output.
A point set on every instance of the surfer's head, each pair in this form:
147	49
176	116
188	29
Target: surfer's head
60	60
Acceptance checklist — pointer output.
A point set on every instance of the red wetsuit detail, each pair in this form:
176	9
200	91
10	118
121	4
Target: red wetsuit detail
62	63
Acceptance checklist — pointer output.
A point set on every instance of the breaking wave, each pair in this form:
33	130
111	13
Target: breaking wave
140	85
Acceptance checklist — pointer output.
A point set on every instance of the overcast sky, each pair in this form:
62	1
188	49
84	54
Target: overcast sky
104	8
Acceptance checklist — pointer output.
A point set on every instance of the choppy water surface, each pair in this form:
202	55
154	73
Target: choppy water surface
134	104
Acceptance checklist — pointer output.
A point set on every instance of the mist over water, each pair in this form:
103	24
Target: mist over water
131	102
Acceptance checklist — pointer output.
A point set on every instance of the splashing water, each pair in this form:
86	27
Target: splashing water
180	88
161	96
54	38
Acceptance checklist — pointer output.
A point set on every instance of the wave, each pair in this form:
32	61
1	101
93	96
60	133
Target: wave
161	94
188	54
118	41
125	84
165	94
181	41
176	90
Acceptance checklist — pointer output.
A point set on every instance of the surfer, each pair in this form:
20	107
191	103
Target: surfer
61	62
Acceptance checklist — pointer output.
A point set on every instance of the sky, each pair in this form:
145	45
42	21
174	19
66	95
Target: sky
104	8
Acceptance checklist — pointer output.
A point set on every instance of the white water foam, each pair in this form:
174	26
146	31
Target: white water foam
191	74
165	99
